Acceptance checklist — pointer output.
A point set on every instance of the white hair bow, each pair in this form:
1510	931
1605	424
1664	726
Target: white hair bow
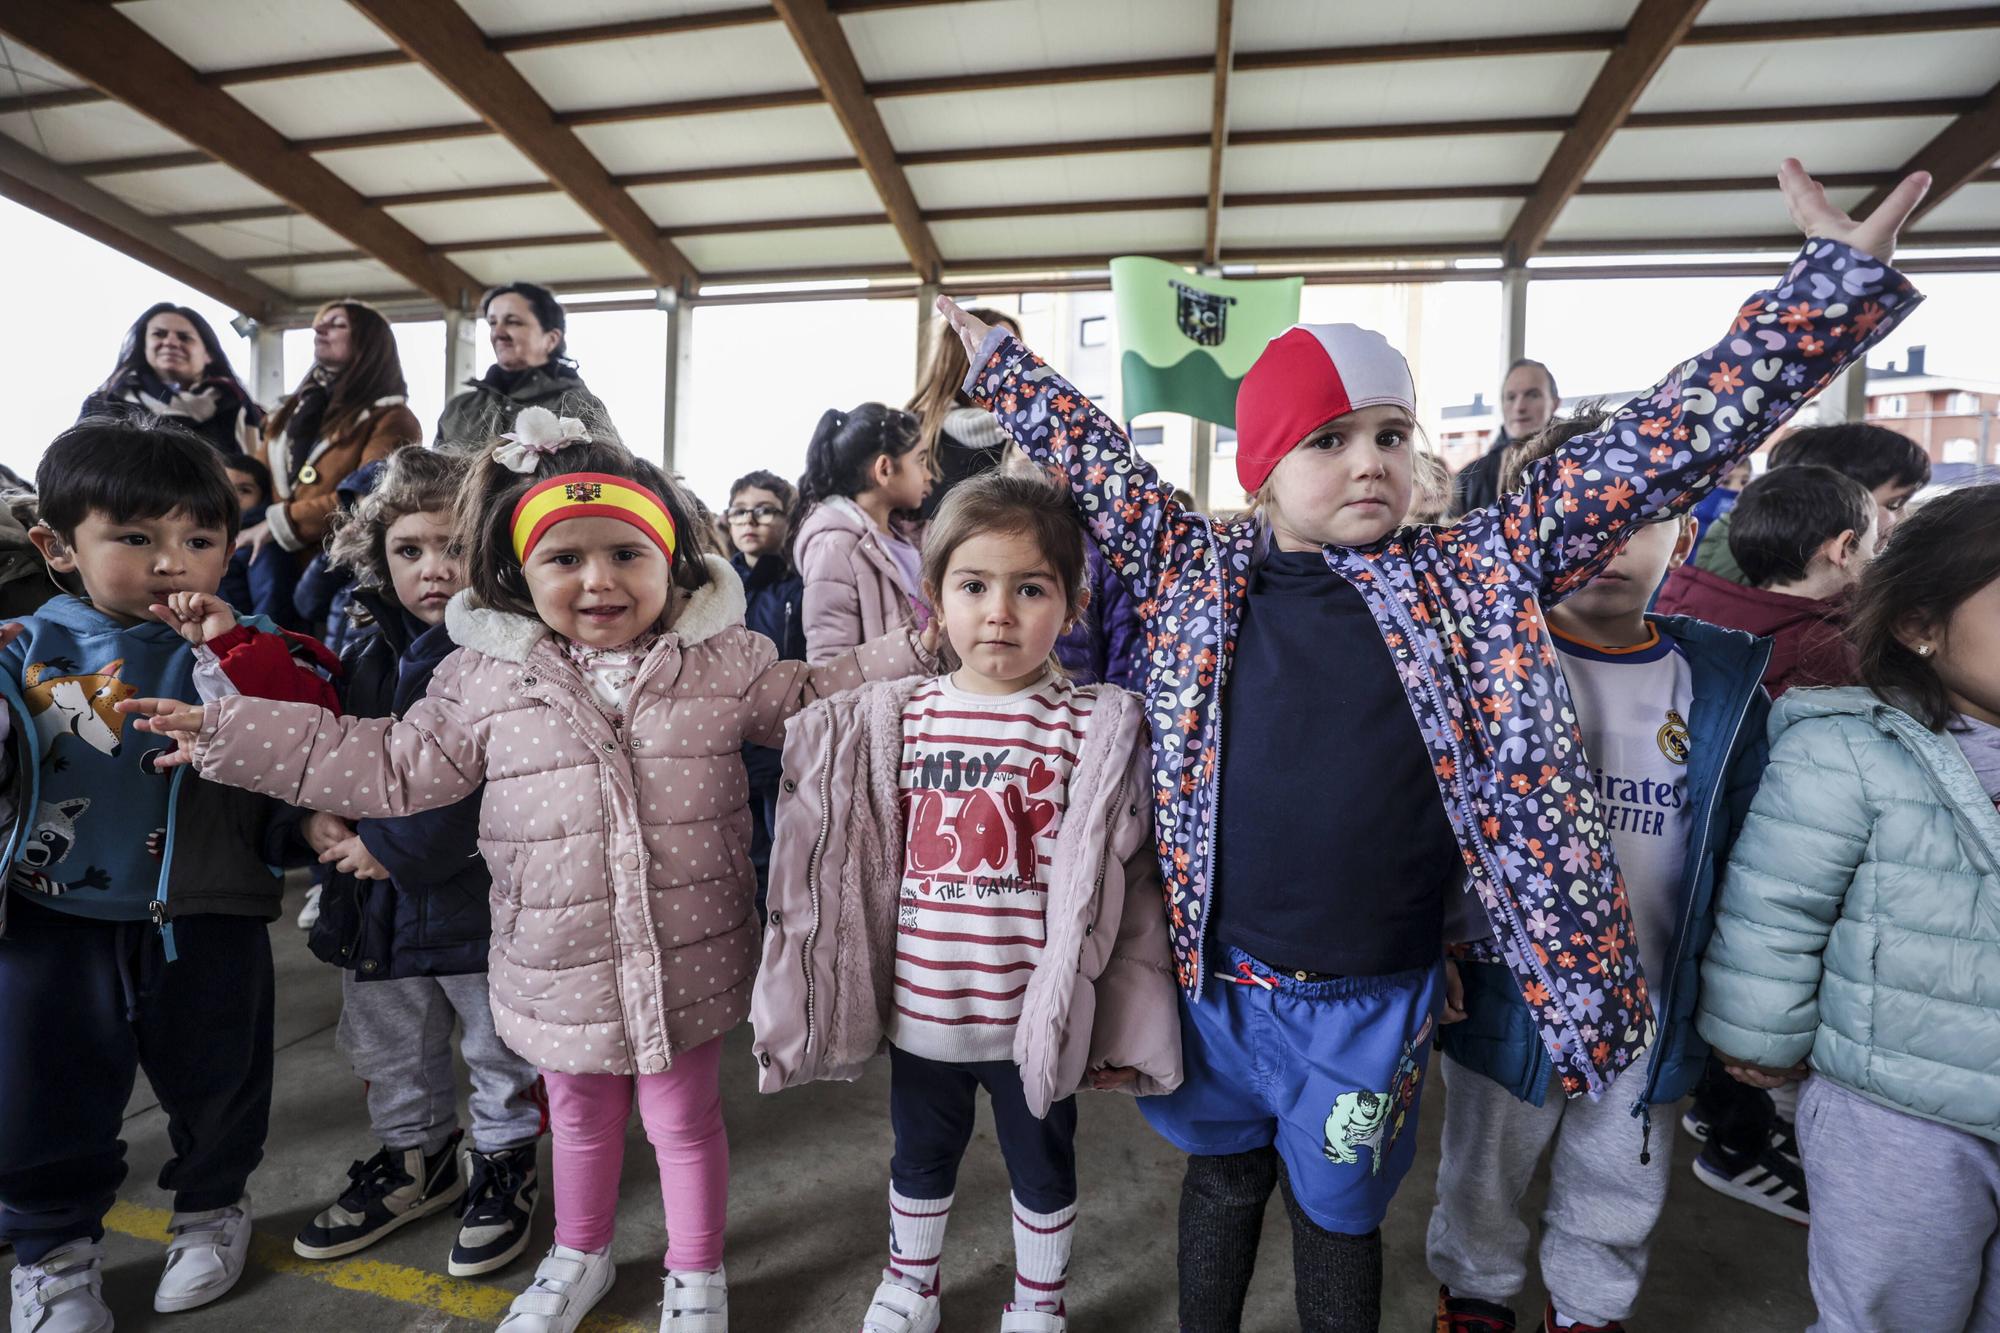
537	431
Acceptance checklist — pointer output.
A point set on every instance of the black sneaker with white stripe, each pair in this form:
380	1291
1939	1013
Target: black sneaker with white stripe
389	1190
1768	1179
497	1211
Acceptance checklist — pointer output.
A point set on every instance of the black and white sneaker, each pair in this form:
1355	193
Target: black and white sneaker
1768	1180
498	1210
1695	1122
389	1190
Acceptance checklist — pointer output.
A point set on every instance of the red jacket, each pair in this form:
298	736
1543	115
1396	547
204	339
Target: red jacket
1808	644
284	666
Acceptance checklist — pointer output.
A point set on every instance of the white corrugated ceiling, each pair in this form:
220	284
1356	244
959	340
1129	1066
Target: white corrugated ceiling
1306	114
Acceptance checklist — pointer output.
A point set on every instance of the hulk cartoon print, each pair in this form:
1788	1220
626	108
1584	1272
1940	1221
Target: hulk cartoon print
1374	1120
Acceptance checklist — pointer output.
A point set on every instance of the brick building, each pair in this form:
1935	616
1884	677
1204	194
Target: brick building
1954	417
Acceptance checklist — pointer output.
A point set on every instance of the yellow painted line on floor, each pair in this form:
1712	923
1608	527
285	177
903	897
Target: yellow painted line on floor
458	1298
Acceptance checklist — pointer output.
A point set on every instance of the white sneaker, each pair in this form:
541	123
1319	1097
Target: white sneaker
898	1307
64	1293
309	914
695	1302
567	1285
1033	1321
205	1256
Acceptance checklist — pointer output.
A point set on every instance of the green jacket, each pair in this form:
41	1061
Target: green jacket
1714	554
1859	922
478	416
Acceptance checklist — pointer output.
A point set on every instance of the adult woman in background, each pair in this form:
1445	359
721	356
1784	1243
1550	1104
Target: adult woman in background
531	368
349	410
171	365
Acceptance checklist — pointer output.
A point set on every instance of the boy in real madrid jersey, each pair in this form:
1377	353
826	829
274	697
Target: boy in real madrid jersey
1672	716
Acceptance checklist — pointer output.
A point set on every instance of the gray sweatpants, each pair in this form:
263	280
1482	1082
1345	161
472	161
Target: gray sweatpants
397	1035
1602	1204
1905	1217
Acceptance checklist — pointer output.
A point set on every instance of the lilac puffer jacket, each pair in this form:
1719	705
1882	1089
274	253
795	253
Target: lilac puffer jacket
853	587
1103	995
623	924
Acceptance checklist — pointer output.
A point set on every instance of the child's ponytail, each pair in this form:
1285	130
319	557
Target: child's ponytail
845	446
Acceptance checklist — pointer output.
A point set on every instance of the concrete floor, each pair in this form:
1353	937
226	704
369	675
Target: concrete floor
807	1225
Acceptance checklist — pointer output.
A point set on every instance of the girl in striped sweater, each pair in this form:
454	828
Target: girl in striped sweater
963	868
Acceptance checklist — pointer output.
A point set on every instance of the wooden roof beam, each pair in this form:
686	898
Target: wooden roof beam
1218	130
823	44
61	196
103	47
1656	27
1962	152
1437	129
1714	34
450	45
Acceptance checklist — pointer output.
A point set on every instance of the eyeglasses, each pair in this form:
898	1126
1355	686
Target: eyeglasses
759	514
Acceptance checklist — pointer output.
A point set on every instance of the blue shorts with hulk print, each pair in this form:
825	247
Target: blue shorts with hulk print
1328	1071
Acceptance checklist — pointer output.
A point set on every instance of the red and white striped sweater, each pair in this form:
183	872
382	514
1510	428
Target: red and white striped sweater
985	780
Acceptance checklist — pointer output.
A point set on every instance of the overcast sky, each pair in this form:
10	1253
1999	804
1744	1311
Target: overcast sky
762	374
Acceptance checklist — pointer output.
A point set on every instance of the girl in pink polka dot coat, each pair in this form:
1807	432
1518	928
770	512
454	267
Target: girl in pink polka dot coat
603	690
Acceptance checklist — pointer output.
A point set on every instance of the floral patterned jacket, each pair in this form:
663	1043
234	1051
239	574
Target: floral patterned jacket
1461	609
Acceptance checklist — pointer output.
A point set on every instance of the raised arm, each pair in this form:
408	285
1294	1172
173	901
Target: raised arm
1664	450
1130	513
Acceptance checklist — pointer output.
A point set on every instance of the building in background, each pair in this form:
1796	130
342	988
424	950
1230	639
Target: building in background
1954	417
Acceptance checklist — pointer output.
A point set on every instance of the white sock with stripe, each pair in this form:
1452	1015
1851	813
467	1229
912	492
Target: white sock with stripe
916	1239
1041	1256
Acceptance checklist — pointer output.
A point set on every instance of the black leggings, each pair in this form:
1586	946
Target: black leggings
1337	1279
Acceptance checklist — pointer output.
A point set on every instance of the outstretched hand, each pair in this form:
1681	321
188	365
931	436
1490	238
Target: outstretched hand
177	721
1815	215
196	616
971	329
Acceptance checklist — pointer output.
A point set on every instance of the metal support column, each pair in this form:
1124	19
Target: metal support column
1202	455
927	324
679	360
267	364
461	349
1854	392
1513	317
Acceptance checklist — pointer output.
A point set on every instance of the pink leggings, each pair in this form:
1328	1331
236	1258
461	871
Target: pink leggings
682	1112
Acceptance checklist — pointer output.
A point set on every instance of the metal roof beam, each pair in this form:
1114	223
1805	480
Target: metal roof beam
823	43
103	47
1656	27
450	45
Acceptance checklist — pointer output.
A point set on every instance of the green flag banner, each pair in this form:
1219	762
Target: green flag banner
1188	339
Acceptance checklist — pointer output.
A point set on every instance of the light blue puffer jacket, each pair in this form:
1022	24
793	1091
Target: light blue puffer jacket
1859	921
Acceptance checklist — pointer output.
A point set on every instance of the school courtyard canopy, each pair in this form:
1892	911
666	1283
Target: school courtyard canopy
275	153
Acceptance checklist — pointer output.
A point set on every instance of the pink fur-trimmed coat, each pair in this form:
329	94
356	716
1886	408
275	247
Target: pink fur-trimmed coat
624	925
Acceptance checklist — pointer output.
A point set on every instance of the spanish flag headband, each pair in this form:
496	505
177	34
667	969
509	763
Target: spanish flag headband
590	495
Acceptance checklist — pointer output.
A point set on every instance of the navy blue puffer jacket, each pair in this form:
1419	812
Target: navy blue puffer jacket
430	918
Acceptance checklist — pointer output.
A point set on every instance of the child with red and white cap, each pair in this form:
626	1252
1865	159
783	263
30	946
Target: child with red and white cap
1316	674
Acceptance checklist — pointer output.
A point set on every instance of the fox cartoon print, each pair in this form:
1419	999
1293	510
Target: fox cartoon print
83	706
